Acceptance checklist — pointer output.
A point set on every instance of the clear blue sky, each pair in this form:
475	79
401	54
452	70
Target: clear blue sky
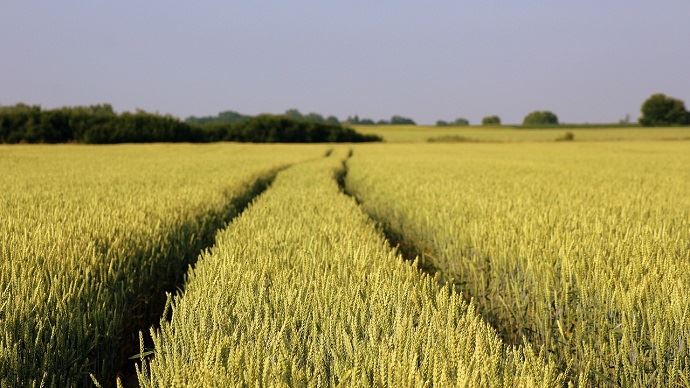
587	60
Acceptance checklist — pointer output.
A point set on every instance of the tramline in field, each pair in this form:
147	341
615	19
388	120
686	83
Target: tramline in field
302	290
344	194
574	257
581	248
90	237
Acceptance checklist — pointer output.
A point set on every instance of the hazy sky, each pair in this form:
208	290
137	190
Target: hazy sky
587	60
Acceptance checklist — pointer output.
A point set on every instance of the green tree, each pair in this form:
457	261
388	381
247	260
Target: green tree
294	114
461	122
660	109
314	118
226	117
537	118
491	120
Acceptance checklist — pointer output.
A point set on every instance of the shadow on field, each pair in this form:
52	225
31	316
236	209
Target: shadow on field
407	250
412	252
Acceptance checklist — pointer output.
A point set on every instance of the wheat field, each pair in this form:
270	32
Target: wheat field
581	248
505	264
302	290
91	236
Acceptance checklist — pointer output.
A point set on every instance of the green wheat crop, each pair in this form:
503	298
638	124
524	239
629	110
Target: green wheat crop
302	290
89	235
581	248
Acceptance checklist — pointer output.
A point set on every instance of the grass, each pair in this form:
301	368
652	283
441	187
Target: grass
578	247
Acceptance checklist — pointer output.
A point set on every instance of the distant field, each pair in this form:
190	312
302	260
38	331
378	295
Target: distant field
421	133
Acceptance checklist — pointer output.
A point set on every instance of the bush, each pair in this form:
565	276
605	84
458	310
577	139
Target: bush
568	136
441	123
660	109
538	118
491	120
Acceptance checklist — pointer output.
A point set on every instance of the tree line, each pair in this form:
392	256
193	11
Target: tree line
394	120
100	124
267	128
88	124
233	117
657	110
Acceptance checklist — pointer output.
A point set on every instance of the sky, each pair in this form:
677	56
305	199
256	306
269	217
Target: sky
586	60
